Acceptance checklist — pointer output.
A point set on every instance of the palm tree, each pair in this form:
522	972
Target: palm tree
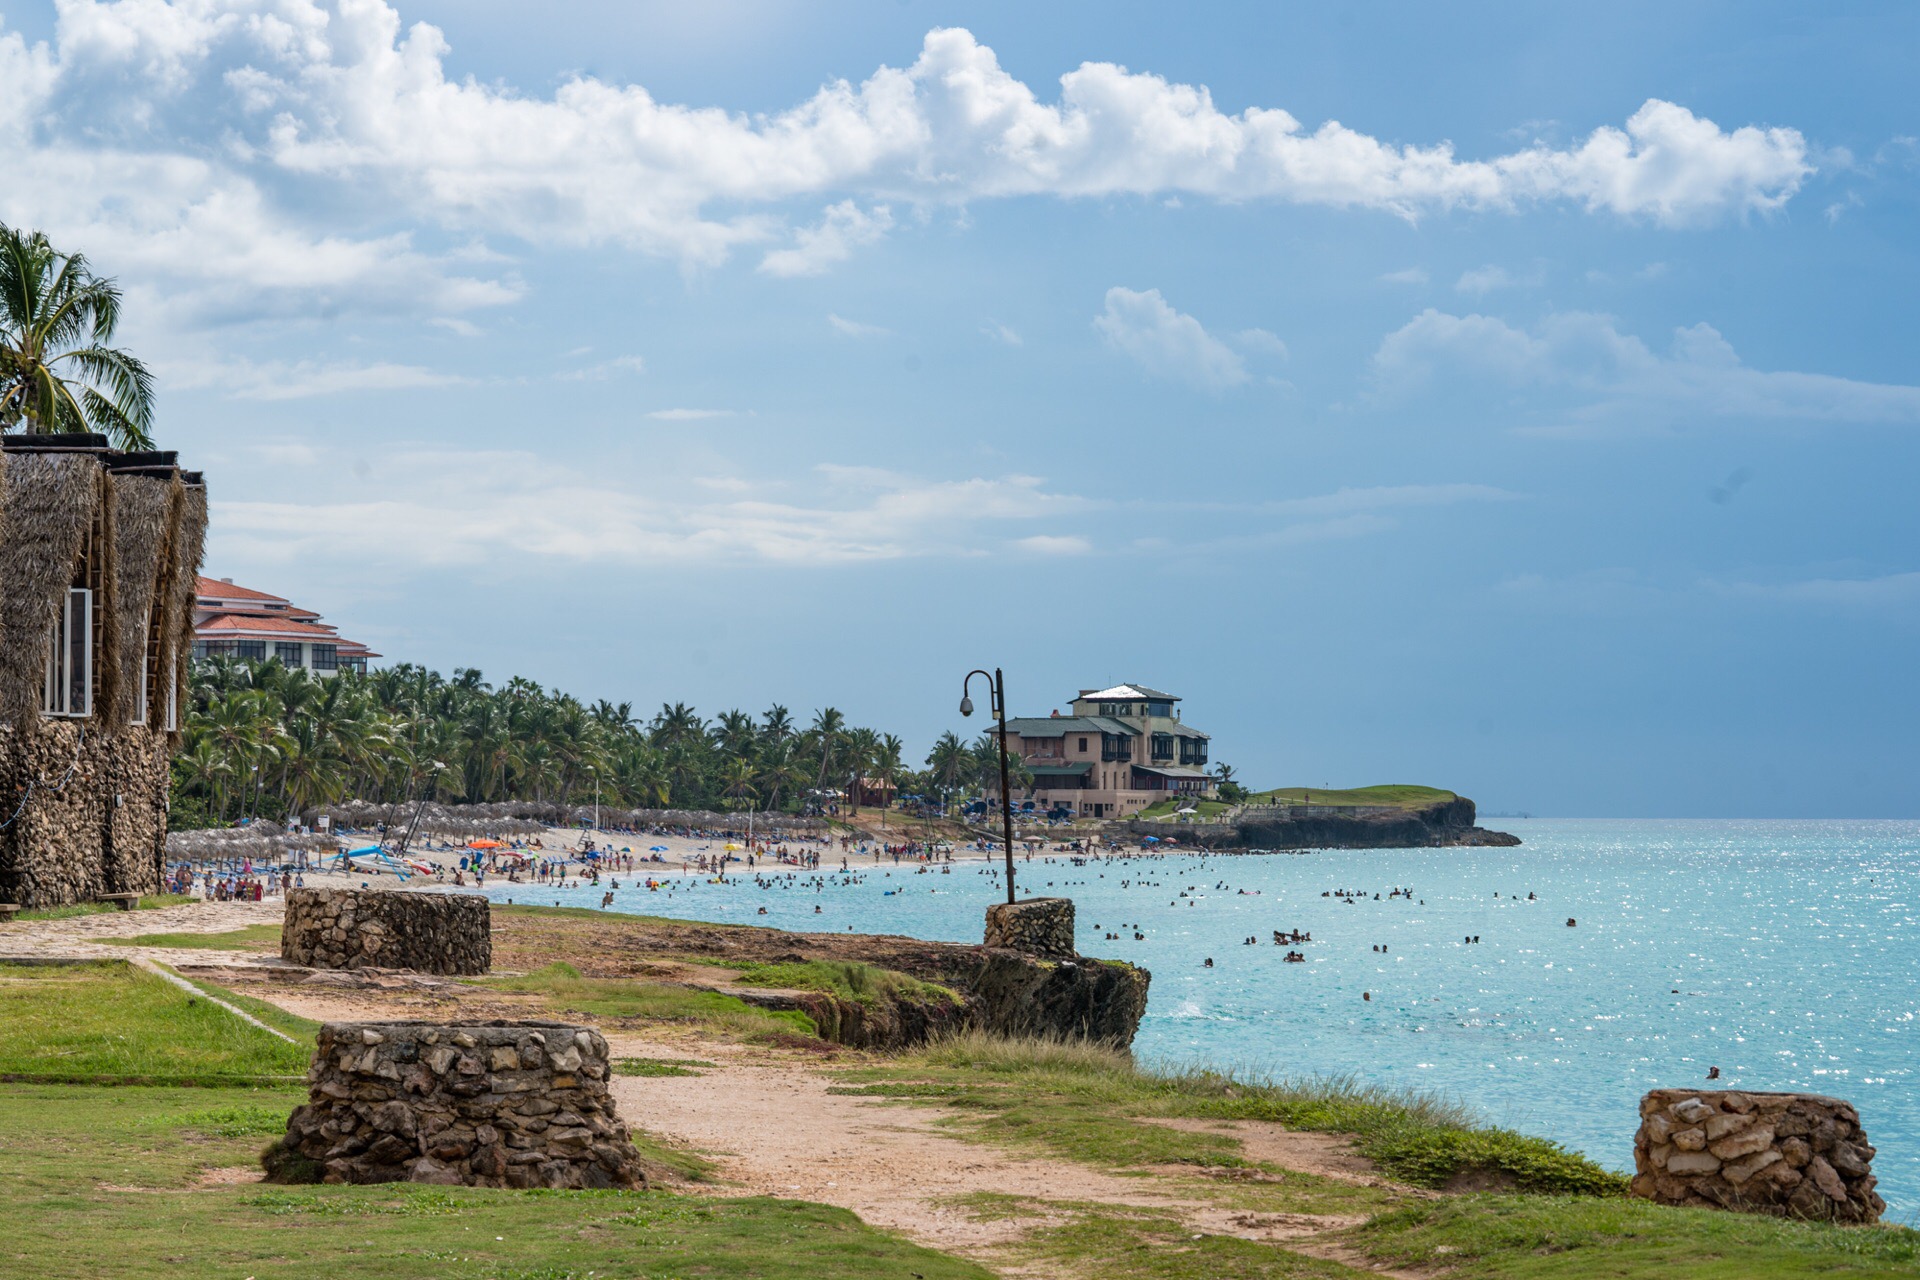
948	764
56	373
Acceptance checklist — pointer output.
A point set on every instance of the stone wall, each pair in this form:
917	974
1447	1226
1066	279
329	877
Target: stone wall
1790	1154
388	929
1035	927
520	1104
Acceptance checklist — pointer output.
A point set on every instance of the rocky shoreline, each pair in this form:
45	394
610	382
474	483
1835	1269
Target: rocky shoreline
1449	824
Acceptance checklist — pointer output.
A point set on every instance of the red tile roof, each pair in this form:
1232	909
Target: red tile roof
215	589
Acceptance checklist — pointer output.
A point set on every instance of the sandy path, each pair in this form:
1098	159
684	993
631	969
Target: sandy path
79	936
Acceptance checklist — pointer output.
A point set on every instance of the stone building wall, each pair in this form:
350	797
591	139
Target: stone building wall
1789	1154
427	932
83	801
521	1104
1035	927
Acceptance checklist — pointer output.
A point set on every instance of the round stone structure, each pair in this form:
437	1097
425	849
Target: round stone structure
1796	1155
498	1104
1036	927
427	932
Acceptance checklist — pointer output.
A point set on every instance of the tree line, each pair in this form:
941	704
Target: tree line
262	740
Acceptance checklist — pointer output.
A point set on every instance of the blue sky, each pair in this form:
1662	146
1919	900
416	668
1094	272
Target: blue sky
1512	399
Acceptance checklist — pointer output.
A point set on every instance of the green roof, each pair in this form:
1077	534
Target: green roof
1061	726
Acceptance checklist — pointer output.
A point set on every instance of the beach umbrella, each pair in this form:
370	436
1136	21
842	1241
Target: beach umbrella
1151	840
485	844
658	848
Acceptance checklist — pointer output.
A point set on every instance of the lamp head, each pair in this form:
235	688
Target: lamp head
966	705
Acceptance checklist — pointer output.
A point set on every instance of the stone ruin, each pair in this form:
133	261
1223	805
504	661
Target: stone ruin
428	932
1790	1154
502	1104
1036	927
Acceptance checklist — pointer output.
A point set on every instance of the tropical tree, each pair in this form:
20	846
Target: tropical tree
57	373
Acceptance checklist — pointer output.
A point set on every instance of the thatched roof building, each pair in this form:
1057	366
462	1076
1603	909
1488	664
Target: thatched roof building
99	552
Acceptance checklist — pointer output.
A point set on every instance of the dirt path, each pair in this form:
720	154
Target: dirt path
80	936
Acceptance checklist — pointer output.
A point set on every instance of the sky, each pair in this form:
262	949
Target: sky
1513	398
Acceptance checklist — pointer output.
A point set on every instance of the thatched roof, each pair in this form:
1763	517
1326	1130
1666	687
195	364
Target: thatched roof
142	519
51	498
261	841
528	819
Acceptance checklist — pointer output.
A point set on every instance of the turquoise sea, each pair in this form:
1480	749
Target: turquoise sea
1787	953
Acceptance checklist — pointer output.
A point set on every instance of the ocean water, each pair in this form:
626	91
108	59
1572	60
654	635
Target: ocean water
1787	953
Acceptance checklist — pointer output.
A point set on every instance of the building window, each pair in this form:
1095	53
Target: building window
289	654
1083	744
1160	708
68	689
250	650
172	671
326	657
1163	746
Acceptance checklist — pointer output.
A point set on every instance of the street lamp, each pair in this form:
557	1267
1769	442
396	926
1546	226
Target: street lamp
596	798
997	698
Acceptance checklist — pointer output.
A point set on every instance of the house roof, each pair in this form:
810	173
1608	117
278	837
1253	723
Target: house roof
231	626
1171	771
1124	692
215	589
1061	726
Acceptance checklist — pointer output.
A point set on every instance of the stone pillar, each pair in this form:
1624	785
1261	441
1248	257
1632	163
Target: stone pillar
500	1104
427	932
1037	927
1795	1155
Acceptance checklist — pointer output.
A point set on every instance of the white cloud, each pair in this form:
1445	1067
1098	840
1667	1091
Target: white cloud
1048	544
1001	333
689	415
471	508
1483	280
830	241
1260	340
605	369
1412	275
238	379
855	329
258	154
1167	343
1888	590
1614	378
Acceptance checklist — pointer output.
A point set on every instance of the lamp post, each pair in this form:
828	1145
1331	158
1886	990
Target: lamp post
596	798
997	697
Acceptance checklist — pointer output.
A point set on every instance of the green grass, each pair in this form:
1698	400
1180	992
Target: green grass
624	999
151	902
96	1181
255	937
1392	795
661	1067
109	1022
1562	1238
1092	1104
303	1029
851	980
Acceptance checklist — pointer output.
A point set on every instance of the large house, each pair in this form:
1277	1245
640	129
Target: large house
1120	750
239	622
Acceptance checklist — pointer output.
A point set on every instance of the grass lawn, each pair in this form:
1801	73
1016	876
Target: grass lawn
100	1181
1167	808
1094	1106
851	980
564	991
151	902
110	1022
255	937
1395	796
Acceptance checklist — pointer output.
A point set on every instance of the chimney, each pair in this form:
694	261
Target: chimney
228	581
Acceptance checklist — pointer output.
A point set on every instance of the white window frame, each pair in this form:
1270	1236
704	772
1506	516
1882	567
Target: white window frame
141	700
67	693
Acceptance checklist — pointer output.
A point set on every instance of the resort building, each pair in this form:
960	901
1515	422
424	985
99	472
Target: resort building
1116	752
239	622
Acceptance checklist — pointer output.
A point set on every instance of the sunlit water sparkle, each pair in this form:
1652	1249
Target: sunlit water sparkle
1784	952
